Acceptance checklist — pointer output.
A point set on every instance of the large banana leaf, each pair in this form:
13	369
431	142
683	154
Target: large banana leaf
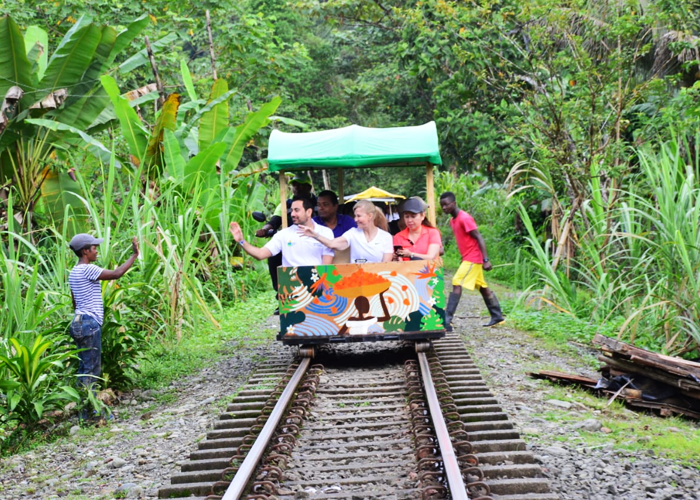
15	68
126	36
92	144
213	122
69	62
36	42
166	121
108	114
61	199
236	140
87	99
174	162
132	129
289	121
187	80
203	166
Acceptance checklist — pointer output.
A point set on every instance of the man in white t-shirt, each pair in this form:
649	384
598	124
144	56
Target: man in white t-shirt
297	250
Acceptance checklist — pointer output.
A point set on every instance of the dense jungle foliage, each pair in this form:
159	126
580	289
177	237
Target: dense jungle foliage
570	130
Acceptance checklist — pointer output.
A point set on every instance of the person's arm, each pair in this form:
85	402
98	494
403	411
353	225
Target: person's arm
433	252
340	243
72	298
482	246
388	257
108	274
327	260
253	251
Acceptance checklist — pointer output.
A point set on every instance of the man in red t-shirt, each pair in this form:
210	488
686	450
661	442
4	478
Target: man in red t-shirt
474	262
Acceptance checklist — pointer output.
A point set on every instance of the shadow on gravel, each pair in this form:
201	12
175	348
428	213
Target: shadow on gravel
365	354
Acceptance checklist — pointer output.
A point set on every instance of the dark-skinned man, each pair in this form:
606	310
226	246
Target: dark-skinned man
475	261
86	292
328	215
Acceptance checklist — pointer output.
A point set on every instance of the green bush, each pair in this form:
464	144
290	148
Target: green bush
32	383
123	340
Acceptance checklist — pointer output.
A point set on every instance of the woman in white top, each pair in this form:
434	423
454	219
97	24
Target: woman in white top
367	242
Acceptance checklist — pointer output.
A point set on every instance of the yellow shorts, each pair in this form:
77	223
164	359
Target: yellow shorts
469	276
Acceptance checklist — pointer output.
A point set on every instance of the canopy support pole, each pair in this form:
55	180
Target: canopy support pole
430	193
341	186
283	197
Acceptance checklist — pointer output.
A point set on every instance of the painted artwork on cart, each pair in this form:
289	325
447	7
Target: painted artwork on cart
355	300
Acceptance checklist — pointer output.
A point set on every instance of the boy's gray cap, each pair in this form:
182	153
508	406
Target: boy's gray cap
415	205
83	240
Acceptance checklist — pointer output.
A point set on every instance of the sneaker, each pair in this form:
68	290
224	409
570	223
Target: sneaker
276	312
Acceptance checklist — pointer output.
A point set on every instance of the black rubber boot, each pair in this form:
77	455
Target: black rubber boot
494	309
452	302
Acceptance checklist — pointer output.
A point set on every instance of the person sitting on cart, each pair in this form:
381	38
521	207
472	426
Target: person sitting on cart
367	242
295	247
419	240
328	215
301	186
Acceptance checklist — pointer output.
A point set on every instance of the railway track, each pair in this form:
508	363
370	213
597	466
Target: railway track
381	423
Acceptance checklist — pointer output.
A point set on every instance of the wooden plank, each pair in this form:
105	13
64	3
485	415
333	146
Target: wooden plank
665	408
430	193
633	397
564	377
679	366
689	387
283	197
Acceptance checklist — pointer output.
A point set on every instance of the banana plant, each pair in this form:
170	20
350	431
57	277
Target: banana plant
62	91
186	152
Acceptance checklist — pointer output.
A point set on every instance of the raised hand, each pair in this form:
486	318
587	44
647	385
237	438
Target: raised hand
236	231
306	231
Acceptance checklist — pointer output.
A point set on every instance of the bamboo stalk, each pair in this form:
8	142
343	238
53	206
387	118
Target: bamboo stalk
283	198
430	193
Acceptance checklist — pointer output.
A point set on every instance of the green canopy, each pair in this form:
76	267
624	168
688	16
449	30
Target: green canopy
354	146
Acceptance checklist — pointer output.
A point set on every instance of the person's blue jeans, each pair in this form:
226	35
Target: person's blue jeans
87	334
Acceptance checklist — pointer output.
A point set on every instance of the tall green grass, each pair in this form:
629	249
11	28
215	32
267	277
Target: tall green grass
636	258
185	247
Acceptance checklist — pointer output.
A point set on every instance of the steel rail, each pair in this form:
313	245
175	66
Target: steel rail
245	471
454	476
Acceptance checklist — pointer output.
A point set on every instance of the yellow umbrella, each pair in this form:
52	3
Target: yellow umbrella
374	194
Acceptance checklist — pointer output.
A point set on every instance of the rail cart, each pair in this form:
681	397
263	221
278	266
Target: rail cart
359	302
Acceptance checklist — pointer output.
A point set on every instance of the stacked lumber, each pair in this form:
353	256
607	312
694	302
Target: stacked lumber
681	375
648	374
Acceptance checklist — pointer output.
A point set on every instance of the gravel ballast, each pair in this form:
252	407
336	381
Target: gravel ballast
576	469
138	452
